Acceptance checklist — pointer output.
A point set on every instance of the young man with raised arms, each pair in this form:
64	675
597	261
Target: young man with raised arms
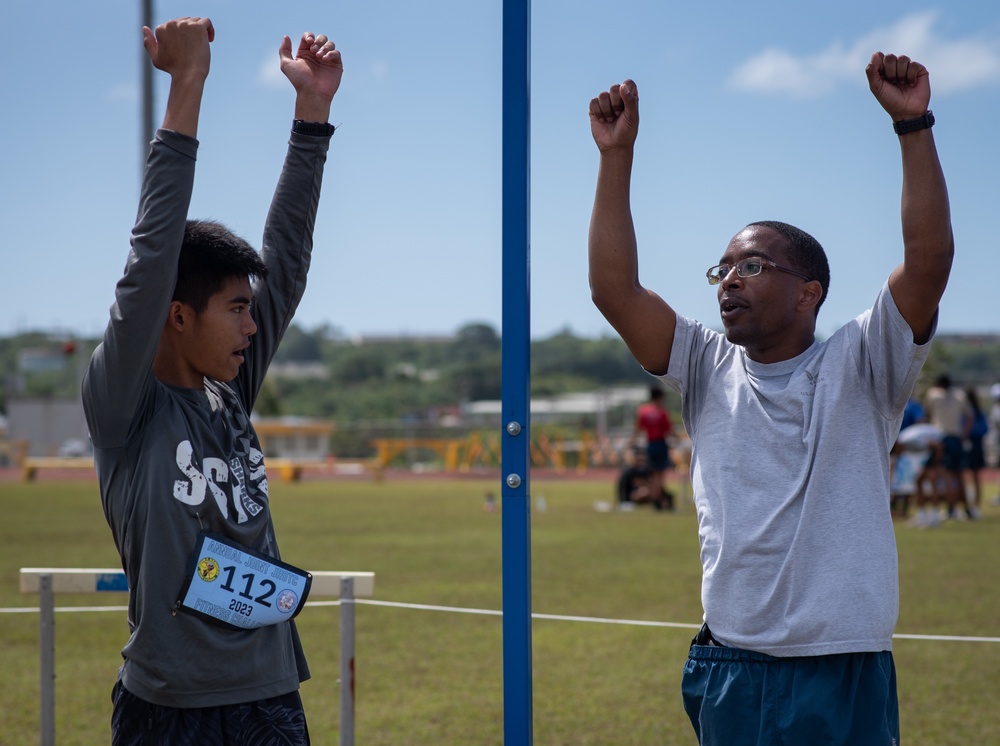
196	320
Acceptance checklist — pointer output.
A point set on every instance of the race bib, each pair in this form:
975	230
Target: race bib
233	584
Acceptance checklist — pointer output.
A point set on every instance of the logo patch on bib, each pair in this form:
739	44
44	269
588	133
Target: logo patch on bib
208	569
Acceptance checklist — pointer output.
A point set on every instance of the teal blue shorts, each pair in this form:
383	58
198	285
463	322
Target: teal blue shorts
735	696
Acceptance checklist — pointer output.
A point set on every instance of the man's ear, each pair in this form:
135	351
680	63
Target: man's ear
810	294
179	316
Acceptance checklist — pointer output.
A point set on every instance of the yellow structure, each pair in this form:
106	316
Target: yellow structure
387	449
548	452
293	446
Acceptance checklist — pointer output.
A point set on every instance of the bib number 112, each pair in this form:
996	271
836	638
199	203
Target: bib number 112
248	587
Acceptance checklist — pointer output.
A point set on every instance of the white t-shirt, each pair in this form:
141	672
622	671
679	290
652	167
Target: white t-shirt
920	436
790	470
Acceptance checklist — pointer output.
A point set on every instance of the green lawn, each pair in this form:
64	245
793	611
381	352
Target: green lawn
435	678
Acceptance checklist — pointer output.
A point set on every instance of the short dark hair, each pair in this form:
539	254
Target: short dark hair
210	255
804	252
970	394
655	392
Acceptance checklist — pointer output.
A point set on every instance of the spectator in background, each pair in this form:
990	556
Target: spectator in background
948	409
912	414
635	485
994	435
652	420
906	466
975	458
917	471
994	421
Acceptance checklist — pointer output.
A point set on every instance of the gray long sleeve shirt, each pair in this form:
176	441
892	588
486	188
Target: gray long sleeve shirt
172	462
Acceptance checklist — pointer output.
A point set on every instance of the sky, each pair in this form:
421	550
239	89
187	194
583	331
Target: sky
748	111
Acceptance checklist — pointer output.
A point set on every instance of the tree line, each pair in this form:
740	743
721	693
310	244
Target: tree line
320	372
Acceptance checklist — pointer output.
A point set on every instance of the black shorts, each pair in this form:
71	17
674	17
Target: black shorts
658	454
953	454
135	721
975	459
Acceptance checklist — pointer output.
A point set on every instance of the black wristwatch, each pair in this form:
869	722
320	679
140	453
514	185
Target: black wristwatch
316	129
912	125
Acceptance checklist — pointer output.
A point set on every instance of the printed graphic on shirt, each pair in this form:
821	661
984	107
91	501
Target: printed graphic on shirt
226	483
238	484
252	490
813	380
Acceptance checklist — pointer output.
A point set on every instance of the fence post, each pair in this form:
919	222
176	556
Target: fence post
47	581
347	661
47	646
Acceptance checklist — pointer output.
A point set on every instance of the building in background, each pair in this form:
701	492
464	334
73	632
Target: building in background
44	409
294	438
47	426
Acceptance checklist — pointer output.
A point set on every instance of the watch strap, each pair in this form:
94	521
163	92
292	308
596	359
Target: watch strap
316	129
912	125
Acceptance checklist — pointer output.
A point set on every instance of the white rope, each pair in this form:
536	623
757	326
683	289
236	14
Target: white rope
494	612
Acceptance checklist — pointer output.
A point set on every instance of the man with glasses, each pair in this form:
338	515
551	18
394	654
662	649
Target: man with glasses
791	440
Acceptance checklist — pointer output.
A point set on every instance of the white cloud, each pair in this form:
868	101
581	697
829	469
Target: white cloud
954	64
269	73
123	92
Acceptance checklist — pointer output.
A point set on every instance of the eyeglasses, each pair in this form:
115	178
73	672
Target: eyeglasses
748	267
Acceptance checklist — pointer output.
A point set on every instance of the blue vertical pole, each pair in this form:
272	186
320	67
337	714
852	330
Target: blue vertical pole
516	379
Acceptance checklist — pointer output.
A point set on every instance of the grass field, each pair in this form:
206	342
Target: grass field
435	678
